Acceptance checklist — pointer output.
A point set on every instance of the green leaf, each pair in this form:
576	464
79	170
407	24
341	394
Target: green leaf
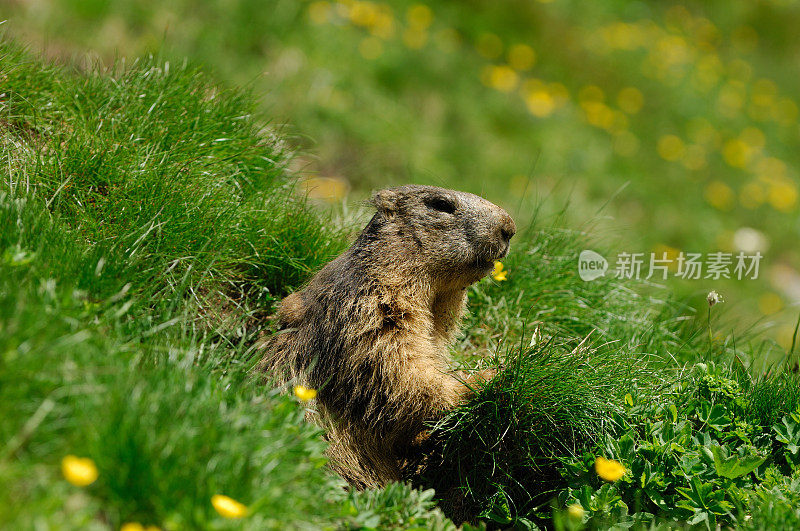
716	416
499	511
734	466
657	498
788	434
699	493
675	447
697	518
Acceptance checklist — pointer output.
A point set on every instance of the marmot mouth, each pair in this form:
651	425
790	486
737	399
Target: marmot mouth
497	253
504	250
488	257
484	261
485	266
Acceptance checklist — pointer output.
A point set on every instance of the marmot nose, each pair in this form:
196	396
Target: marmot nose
507	227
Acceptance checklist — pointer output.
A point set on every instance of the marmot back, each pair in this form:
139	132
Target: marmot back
371	330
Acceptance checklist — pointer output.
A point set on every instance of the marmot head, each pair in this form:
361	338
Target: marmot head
452	232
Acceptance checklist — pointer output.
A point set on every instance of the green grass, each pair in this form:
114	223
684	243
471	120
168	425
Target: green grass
590	369
502	451
149	222
119	156
711	76
147	217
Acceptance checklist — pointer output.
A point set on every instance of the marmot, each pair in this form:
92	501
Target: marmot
371	330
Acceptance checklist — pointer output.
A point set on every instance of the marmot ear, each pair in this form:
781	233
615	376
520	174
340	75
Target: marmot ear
385	201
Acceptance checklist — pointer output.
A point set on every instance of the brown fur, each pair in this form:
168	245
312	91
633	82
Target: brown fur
371	330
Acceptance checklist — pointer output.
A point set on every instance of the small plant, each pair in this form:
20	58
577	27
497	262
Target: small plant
713	299
693	456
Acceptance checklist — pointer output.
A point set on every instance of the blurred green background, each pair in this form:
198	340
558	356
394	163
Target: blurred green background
665	127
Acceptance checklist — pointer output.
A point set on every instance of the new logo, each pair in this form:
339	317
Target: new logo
591	265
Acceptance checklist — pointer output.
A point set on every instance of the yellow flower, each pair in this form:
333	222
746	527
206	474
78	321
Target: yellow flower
719	195
318	12
304	393
736	153
671	147
383	26
419	16
608	469
500	77
598	114
136	526
783	196
80	471
673	50
363	13
540	103
521	57
499	274
630	100
228	507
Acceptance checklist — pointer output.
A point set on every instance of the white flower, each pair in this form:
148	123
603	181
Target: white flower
713	298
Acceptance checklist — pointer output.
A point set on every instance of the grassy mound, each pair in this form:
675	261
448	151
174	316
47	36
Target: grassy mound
147	224
163	171
146	218
502	452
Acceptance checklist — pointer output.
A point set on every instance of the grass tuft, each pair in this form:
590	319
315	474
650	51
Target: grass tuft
771	397
501	452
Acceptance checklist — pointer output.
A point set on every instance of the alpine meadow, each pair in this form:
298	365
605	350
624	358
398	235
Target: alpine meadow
169	172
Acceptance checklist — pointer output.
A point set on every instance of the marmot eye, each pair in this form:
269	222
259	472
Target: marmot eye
441	204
